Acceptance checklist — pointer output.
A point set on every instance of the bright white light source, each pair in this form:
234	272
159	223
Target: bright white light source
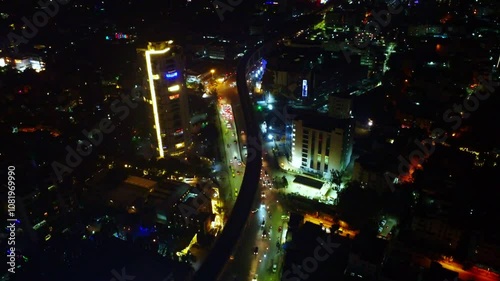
174	88
270	107
270	137
370	122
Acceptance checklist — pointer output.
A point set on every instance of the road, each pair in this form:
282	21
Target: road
268	216
265	229
220	255
231	124
474	273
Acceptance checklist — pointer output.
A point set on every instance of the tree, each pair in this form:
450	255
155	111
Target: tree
336	178
285	181
357	205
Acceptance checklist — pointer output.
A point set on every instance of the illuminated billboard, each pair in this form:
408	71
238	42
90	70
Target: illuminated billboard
304	88
171	75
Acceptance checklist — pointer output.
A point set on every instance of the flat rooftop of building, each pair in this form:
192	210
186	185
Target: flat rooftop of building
126	194
166	195
321	122
140	182
308	182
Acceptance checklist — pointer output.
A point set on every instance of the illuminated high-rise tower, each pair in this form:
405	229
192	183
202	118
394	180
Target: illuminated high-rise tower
166	84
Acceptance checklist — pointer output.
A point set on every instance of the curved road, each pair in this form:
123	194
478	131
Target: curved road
225	244
223	247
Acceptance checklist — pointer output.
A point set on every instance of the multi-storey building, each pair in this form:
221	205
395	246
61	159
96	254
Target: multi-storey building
321	143
165	65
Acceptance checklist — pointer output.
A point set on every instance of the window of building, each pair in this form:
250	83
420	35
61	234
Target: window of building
313	138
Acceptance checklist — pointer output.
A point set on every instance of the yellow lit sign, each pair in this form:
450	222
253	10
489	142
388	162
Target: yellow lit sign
156	77
149	66
174	88
179	145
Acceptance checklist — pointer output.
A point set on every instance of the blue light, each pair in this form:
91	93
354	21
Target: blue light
171	75
304	88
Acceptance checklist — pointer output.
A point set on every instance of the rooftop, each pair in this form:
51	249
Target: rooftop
140	182
308	182
322	122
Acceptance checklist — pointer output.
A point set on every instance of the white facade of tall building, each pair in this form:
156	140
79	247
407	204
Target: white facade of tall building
165	64
320	144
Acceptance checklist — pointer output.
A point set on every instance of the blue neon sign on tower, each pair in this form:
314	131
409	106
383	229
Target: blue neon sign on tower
171	75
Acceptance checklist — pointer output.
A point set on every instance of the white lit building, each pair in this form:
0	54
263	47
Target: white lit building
21	65
165	65
321	143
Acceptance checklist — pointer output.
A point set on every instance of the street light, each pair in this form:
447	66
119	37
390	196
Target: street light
212	71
